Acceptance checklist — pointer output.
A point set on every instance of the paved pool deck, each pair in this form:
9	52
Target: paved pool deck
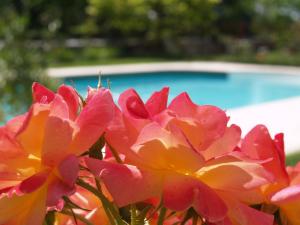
278	116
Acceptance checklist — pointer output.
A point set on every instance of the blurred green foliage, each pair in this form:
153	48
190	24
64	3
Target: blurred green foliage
33	34
21	64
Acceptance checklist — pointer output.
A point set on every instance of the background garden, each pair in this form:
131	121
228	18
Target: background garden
37	34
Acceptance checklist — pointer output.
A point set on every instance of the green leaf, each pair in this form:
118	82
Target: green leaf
50	218
95	150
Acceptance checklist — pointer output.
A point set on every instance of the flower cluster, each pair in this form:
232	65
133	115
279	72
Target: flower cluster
70	160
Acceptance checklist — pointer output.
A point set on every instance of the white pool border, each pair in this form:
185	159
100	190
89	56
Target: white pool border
279	116
221	67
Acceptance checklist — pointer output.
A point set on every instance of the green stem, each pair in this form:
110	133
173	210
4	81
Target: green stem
161	216
108	213
106	204
133	215
115	153
79	217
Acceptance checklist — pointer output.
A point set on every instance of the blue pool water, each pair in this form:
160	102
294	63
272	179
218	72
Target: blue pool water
224	90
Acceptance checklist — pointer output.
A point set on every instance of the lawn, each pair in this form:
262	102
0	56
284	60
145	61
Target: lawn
292	159
61	57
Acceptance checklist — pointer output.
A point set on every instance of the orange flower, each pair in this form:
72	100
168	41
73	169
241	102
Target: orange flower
288	199
259	145
38	162
94	211
185	154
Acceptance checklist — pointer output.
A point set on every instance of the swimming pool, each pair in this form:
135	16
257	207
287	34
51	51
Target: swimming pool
226	90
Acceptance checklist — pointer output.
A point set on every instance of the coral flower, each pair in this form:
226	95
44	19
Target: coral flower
288	199
259	145
38	162
184	153
92	209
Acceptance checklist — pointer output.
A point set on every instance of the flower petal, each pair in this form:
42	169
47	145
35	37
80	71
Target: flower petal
42	94
127	184
69	169
225	144
132	105
286	195
258	144
28	209
56	190
182	192
93	120
34	182
33	126
235	175
58	136
161	149
157	102
201	124
71	98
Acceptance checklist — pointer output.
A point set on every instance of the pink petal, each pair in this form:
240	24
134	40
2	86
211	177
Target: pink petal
58	136
287	195
157	102
42	94
127	184
225	144
56	190
69	169
16	123
71	98
249	216
279	142
258	144
119	134
93	120
59	108
182	192
132	105
183	105
9	147
201	124
34	182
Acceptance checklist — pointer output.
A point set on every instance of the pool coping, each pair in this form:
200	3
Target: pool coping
218	67
279	115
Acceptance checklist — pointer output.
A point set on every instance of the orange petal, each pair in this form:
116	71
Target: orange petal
161	149
225	144
201	124
58	136
28	209
31	134
230	173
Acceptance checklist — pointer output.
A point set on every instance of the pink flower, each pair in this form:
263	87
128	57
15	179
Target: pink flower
259	145
185	154
288	199
38	162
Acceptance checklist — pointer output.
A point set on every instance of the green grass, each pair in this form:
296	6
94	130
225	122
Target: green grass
110	55
95	56
293	159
